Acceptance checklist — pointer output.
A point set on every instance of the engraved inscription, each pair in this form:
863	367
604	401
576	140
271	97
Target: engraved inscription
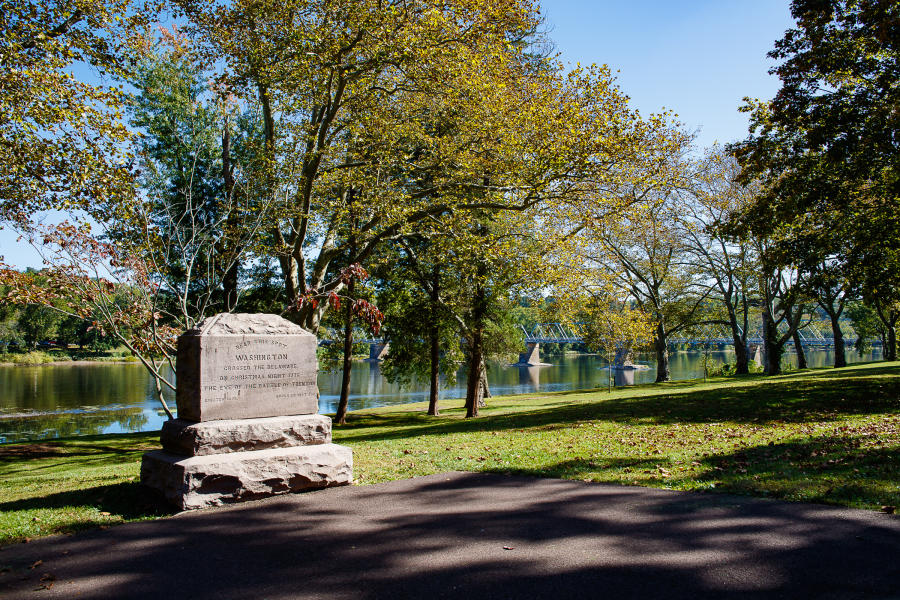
258	370
251	374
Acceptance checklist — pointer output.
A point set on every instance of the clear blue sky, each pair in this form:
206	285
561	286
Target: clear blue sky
698	58
695	57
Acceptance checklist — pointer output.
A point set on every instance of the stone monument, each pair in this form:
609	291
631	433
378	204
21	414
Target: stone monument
247	425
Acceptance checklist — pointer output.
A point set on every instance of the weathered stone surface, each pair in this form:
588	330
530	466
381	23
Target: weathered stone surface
238	435
203	481
241	366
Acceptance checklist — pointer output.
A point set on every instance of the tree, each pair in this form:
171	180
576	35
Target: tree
485	264
783	305
423	335
645	252
327	77
728	261
829	287
612	326
62	143
38	324
826	145
866	324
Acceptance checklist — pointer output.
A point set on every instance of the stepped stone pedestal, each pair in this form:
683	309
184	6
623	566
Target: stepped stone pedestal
247	428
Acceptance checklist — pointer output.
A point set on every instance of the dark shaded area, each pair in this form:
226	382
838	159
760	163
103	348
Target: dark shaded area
128	500
29	451
463	535
87	446
827	469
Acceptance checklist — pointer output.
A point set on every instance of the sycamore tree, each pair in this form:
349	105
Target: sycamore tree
727	261
643	248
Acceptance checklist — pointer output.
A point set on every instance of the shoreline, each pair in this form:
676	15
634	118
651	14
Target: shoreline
75	363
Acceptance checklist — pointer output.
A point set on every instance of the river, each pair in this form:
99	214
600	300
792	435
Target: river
42	402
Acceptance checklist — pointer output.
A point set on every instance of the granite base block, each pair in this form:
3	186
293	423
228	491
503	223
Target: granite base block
240	435
213	480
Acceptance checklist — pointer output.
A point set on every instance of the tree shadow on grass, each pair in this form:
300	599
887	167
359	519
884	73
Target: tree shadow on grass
78	446
837	469
127	501
787	399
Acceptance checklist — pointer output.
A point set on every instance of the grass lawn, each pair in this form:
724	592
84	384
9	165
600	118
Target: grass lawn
830	436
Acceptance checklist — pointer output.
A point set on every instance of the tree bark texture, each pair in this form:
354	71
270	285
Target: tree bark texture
435	345
485	388
474	389
741	356
341	416
230	279
891	352
798	346
662	355
840	357
771	347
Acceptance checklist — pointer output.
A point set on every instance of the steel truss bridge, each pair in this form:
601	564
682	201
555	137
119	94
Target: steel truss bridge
811	336
707	335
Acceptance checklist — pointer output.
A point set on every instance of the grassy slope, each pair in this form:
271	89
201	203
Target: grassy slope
829	436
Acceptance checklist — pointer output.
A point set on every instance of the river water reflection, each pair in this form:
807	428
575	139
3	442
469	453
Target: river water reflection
86	399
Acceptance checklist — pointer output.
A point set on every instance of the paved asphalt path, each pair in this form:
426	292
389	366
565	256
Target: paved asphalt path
466	535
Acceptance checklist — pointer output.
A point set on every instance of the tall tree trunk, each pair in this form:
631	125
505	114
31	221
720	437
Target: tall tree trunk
229	249
741	356
771	347
662	355
474	389
485	388
435	343
891	353
341	416
291	277
888	318
798	346
840	357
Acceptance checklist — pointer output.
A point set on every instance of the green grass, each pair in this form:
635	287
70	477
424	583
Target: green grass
829	436
40	357
35	357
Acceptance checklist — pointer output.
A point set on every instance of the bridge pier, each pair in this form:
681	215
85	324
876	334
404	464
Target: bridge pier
624	359
756	353
531	357
377	352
